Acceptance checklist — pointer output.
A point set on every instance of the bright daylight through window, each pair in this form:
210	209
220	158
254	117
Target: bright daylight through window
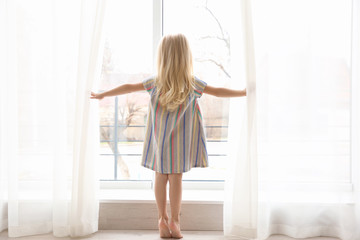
129	58
303	89
303	85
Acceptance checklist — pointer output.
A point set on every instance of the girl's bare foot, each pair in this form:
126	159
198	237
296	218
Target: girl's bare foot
164	229
175	229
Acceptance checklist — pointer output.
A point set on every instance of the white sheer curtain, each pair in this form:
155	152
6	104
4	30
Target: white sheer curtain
306	148
307	143
49	141
241	196
355	117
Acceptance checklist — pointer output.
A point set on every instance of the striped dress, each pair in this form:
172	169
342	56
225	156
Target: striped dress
174	141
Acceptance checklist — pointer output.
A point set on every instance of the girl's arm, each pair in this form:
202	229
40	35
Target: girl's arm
224	92
122	89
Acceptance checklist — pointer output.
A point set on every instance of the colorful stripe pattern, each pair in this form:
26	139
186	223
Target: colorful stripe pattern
174	141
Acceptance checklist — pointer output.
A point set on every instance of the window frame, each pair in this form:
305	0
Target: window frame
105	184
158	15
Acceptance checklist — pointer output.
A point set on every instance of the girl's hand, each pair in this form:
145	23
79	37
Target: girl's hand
96	96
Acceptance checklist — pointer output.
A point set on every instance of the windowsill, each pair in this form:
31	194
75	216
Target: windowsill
147	195
205	193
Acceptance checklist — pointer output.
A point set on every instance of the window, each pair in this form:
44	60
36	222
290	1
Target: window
130	45
205	24
303	64
128	57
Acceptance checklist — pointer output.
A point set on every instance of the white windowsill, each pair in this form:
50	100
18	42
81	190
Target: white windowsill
147	195
201	192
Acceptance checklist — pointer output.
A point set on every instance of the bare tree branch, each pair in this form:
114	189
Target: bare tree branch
219	38
216	63
133	110
225	39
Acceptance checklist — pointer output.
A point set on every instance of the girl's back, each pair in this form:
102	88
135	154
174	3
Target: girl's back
175	140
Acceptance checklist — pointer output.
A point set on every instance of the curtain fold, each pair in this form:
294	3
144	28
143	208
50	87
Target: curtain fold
355	118
48	125
240	204
86	134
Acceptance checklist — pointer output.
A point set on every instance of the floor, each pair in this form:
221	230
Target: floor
149	235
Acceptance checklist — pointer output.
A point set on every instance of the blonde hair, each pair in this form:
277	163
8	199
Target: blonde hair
175	80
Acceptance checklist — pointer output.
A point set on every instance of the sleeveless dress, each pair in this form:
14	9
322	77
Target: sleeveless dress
174	141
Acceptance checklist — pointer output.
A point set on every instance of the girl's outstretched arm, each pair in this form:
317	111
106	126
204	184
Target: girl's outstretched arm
122	89
224	92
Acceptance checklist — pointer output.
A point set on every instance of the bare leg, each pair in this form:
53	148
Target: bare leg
160	195
175	190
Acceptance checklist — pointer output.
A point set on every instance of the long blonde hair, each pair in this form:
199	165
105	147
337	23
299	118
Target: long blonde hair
175	80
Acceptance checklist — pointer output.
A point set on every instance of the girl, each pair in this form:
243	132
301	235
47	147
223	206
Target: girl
175	139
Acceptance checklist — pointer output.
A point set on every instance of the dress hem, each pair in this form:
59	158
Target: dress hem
186	170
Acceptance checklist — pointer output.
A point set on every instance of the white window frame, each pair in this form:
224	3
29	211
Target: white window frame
158	31
219	185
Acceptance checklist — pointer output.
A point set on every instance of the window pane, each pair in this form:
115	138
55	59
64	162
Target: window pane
205	25
128	58
303	84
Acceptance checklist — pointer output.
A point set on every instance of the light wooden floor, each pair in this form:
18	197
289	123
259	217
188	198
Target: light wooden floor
148	235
